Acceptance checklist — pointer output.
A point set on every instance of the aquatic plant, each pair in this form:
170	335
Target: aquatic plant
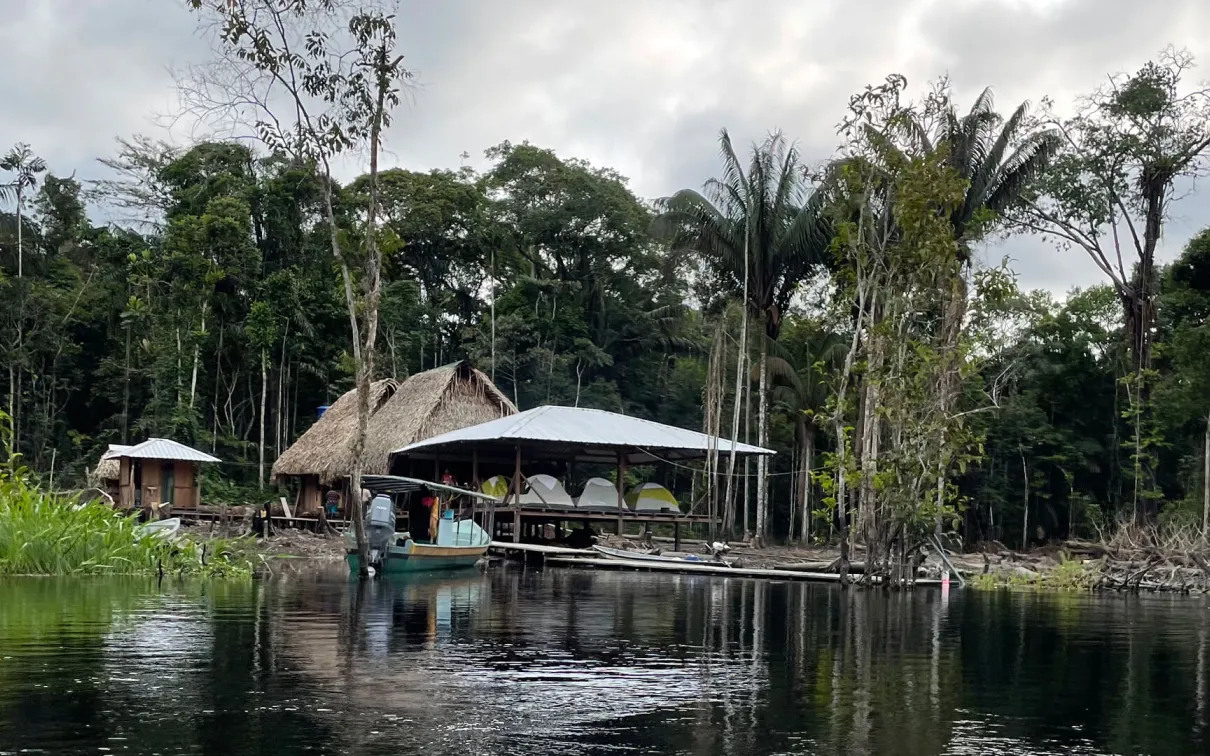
43	533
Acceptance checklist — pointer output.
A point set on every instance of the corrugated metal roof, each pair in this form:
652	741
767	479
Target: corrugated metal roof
160	448
114	451
588	429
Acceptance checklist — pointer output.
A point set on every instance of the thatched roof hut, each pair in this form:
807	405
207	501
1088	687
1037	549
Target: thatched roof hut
325	450
424	405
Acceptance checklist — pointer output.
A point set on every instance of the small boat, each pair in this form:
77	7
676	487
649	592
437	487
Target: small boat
161	528
410	556
638	556
458	543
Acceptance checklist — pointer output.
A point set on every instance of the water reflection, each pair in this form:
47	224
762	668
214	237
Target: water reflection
581	662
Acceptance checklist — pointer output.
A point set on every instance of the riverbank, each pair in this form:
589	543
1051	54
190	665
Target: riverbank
1132	560
1124	564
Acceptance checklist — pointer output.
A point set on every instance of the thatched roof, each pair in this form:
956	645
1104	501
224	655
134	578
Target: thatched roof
424	405
108	467
325	449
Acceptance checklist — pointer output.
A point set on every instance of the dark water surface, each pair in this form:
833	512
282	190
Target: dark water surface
571	662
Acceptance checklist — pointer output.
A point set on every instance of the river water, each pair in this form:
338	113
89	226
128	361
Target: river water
580	662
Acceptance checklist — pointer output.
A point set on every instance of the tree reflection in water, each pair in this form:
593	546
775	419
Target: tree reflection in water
565	661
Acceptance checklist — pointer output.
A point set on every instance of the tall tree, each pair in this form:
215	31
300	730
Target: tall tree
1110	192
315	79
25	166
759	230
1000	160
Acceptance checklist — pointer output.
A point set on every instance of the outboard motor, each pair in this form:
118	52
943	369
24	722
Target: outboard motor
380	529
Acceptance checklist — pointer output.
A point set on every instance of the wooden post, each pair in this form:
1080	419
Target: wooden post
517	497
475	482
676	536
621	489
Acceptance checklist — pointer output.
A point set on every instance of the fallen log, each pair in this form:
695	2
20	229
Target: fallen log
830	566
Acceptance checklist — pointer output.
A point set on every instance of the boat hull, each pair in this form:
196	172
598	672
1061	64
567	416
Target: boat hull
634	556
425	558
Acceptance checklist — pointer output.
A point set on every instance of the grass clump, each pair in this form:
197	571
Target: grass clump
43	533
1069	575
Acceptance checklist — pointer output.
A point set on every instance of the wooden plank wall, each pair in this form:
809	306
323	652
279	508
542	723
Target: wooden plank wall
184	493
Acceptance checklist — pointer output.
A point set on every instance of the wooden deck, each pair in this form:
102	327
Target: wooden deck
559	556
538	548
706	569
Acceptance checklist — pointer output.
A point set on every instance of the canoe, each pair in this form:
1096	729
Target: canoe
637	556
424	557
161	528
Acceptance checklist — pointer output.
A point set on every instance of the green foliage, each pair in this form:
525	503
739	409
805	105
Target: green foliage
553	277
47	534
1069	575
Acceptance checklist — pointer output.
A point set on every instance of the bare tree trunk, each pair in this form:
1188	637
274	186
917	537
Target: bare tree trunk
747	440
762	434
197	350
1025	518
125	391
20	245
373	288
842	444
741	355
867	520
264	394
795	471
711	422
1206	485
808	460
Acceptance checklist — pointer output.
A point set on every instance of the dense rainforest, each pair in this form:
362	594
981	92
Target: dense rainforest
841	312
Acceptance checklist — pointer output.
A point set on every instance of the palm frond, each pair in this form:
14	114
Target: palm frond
1021	168
733	170
989	172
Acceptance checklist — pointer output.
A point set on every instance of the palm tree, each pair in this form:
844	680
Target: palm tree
998	158
999	162
760	233
22	161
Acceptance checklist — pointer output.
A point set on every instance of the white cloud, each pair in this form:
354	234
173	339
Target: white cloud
640	86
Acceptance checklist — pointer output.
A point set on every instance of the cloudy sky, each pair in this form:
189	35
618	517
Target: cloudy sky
642	86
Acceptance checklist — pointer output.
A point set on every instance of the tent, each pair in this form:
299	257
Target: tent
497	486
599	495
652	497
545	491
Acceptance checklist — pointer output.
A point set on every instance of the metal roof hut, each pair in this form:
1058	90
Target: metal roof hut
426	404
156	473
569	434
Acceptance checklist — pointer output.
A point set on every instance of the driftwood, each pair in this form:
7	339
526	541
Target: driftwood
1173	559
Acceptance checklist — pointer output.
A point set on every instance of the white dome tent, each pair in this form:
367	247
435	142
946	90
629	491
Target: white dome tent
546	491
599	495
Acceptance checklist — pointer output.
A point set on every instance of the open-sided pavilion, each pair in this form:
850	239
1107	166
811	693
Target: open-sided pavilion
551	438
